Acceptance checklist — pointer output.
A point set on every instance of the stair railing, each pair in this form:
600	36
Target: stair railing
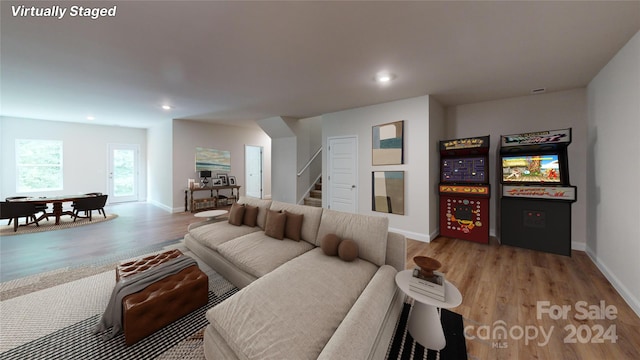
309	162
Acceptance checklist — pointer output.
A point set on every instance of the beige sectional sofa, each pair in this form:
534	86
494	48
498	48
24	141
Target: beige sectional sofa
296	302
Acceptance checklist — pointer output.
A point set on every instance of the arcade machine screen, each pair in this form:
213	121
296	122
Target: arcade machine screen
464	170
542	168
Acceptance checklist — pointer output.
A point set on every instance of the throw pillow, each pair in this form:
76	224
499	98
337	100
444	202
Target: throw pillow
250	215
274	226
348	250
329	244
293	227
236	214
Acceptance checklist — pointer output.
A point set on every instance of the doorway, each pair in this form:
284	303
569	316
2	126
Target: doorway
253	171
342	163
123	172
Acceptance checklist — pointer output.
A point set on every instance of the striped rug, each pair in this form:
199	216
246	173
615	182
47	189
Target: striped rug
404	347
49	324
77	341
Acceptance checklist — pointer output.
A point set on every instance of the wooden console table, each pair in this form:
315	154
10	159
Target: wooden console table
210	202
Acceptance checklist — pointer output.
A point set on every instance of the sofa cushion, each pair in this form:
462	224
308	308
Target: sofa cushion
263	206
250	215
212	235
293	226
369	232
236	214
259	254
356	335
292	312
329	244
310	223
275	224
348	250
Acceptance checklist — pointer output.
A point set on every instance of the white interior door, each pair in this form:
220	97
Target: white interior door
123	172
253	171
343	176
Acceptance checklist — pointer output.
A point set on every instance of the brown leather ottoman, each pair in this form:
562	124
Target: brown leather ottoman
162	302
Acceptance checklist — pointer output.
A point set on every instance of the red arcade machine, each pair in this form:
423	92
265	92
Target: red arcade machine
536	198
464	189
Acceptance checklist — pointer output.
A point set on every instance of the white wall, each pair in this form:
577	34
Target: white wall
85	149
559	110
160	164
359	122
614	169
187	135
437	131
283	169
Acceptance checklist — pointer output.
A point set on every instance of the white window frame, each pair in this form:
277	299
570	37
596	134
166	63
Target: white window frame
21	188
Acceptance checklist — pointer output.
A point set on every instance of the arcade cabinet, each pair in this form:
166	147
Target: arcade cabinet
536	198
464	189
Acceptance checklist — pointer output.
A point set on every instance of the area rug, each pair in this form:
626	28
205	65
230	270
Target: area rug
44	322
53	323
66	222
404	347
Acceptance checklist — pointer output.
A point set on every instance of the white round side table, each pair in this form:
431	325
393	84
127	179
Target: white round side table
210	214
424	322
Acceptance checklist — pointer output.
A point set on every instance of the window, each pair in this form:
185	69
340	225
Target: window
38	165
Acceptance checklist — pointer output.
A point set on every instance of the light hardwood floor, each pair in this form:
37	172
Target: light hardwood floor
510	284
498	283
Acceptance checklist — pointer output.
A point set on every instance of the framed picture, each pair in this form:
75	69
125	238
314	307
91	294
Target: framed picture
388	192
224	178
212	159
388	144
216	182
232	180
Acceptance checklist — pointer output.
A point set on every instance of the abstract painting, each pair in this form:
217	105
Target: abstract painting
211	159
388	191
388	144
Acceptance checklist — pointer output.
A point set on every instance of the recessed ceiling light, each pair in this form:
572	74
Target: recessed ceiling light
90	117
384	77
166	107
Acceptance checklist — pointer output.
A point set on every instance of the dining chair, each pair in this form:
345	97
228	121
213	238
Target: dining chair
39	208
88	205
16	210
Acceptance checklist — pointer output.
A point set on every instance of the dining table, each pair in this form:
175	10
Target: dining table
57	202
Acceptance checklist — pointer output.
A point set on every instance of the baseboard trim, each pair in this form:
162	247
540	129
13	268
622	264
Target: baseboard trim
412	235
628	297
165	207
578	246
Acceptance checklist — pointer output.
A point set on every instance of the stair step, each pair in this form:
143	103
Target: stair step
318	186
313	202
317	194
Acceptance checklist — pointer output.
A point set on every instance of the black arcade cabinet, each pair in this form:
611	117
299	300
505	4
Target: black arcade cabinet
536	197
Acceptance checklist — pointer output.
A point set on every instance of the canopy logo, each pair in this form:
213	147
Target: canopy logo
499	333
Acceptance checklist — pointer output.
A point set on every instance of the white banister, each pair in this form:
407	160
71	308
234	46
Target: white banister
309	162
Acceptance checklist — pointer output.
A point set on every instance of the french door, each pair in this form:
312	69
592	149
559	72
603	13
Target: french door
123	172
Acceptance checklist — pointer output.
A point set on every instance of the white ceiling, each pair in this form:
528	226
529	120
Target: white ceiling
237	62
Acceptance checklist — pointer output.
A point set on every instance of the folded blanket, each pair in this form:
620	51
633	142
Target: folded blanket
112	318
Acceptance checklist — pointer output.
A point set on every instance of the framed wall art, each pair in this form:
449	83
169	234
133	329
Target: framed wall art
388	144
387	192
211	159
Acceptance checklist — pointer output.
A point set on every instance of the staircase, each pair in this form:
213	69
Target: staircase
315	195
